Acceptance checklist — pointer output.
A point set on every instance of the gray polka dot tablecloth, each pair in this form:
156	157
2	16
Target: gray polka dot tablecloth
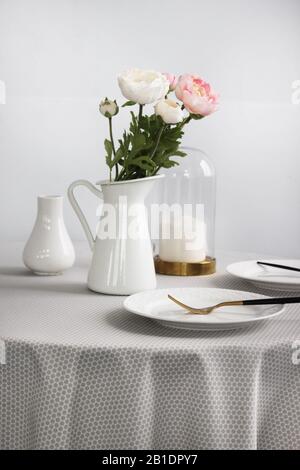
82	373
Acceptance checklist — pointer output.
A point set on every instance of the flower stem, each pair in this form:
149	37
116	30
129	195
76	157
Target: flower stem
113	147
184	122
158	139
140	114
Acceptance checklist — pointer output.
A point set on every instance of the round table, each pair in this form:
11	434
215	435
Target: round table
82	373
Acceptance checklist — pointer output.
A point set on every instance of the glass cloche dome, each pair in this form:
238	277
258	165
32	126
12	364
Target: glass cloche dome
187	217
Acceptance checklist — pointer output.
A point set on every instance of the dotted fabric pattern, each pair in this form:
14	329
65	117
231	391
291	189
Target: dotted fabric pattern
82	373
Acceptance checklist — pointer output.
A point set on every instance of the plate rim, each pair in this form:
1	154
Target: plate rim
256	279
240	322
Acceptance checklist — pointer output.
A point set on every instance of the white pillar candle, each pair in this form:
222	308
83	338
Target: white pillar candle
182	240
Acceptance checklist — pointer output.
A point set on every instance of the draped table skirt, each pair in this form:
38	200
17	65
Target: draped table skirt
79	372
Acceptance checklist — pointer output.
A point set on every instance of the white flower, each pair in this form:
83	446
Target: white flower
108	108
169	111
143	86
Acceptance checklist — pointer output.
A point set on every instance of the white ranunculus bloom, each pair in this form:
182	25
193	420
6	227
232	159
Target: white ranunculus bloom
169	111
108	108
143	86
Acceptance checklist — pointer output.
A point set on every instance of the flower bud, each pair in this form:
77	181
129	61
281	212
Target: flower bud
172	79
169	111
108	108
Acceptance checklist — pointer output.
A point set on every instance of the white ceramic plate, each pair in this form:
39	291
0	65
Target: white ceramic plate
267	277
155	304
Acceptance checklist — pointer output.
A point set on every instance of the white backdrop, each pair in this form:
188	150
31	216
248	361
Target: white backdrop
59	57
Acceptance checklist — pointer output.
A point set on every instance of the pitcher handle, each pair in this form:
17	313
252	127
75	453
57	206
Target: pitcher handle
78	210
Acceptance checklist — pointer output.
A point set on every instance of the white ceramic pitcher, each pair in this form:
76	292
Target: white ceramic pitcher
122	261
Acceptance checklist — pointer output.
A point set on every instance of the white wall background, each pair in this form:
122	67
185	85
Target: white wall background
59	57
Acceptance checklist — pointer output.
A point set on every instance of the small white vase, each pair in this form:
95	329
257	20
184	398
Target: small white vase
49	250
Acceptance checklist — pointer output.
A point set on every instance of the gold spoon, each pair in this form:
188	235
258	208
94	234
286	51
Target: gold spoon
207	310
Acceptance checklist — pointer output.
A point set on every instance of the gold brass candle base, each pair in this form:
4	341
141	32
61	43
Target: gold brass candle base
176	268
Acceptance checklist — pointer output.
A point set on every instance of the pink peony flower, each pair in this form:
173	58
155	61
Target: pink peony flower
196	95
172	79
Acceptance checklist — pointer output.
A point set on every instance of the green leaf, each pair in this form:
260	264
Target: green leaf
196	116
109	162
108	147
117	158
169	164
179	153
138	140
145	163
134	128
137	145
128	103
